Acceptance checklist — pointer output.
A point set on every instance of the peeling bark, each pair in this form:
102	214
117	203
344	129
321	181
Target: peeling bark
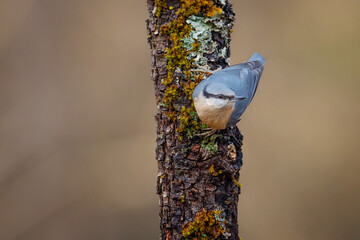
192	177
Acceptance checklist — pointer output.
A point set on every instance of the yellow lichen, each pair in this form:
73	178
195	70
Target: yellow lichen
160	7
236	182
205	226
171	93
178	57
214	172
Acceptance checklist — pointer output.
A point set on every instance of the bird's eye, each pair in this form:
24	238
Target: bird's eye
221	96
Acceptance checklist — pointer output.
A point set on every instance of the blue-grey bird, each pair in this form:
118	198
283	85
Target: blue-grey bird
222	98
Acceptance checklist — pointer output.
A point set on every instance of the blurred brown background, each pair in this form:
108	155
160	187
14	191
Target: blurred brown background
77	132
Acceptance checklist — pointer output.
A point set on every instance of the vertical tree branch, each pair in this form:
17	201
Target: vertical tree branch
197	176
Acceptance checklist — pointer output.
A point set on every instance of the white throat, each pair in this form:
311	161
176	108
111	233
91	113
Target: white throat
216	103
214	112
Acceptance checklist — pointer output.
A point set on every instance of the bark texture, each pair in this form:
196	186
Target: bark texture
191	176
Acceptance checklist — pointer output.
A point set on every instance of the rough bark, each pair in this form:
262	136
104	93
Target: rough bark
192	177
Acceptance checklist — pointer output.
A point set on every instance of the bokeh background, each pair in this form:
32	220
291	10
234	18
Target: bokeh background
77	128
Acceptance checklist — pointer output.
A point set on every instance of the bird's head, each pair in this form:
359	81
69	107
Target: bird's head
219	96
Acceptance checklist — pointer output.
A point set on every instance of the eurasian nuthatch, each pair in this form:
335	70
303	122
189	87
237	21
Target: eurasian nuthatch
222	98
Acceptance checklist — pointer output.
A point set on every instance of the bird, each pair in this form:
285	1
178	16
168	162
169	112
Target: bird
222	98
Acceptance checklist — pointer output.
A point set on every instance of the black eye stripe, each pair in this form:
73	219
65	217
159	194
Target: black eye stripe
226	97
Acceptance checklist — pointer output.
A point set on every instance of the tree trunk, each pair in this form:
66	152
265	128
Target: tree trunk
197	175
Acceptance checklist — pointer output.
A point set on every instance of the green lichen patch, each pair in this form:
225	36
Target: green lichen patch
206	225
190	35
210	142
203	28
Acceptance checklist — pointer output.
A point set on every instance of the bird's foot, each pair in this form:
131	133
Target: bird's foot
205	70
207	133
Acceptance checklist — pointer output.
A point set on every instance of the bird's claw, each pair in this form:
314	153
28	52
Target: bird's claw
205	70
206	134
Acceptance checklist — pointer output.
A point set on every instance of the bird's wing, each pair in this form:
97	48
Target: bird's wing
248	75
256	68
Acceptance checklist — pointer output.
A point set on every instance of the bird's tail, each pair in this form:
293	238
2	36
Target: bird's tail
257	57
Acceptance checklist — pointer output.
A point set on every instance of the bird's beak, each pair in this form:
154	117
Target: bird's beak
236	99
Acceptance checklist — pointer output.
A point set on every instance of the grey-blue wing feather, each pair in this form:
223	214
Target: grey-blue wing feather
248	76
